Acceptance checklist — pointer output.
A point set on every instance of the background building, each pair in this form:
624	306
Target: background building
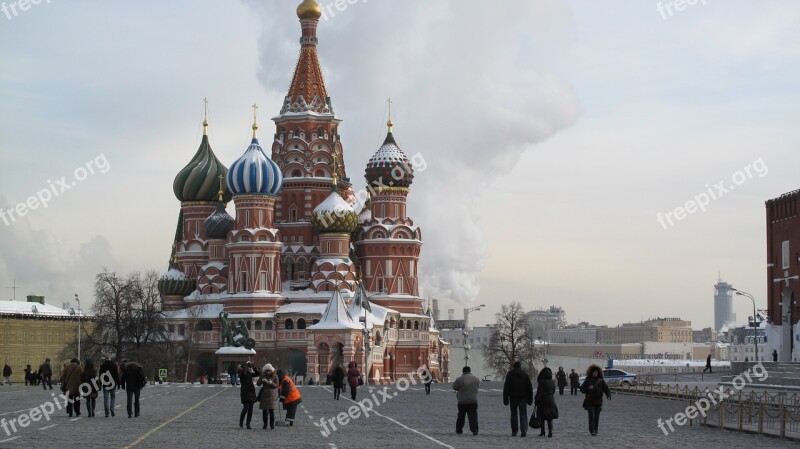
543	320
582	332
723	305
659	329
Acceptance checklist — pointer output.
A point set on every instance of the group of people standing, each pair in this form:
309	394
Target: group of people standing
518	394
276	387
108	378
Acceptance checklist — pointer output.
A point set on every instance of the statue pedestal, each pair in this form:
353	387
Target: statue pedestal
232	354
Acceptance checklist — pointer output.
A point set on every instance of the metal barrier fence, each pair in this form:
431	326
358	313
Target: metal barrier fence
774	414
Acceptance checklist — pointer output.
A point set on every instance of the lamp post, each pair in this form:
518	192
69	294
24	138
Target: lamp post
467	347
79	325
366	346
755	317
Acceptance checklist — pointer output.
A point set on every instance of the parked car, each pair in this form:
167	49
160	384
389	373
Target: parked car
613	375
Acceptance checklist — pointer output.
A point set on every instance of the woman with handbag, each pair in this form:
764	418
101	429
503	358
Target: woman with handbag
594	387
268	395
546	410
89	378
353	378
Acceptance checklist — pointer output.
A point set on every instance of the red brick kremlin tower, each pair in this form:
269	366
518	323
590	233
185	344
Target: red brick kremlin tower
314	282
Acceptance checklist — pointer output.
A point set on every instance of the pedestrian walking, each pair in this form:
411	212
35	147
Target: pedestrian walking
774	355
338	381
466	387
518	393
353	378
268	396
247	393
70	386
110	380
561	379
546	410
708	364
134	380
46	372
428	379
7	374
289	396
28	375
89	377
574	382
594	387
233	373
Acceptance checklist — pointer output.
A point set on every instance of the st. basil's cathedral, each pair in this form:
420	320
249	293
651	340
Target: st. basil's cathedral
303	275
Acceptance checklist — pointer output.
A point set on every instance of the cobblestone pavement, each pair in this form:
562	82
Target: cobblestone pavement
201	416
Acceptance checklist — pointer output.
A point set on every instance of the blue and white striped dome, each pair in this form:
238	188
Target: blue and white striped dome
254	173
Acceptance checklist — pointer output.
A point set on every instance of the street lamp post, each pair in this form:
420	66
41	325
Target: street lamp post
755	317
467	347
79	325
366	347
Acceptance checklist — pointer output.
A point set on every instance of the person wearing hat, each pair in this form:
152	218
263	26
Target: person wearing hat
268	395
466	388
289	395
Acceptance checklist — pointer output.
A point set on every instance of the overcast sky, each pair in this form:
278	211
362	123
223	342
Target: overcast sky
553	132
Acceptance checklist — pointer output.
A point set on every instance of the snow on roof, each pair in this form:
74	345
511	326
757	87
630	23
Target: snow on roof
301	308
336	315
235	350
204	311
27	308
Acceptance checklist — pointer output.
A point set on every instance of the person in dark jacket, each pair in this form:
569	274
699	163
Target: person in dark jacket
289	395
338	381
46	372
134	380
247	393
353	375
574	382
89	378
774	355
427	377
466	387
518	392
122	367
708	365
109	378
269	395
546	410
70	385
594	387
7	374
561	380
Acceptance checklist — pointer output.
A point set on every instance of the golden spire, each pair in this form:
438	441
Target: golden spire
221	180
205	116
255	120
389	123
335	177
309	9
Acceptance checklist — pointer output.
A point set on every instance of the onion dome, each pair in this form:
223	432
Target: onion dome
309	9
175	283
254	173
389	166
198	180
334	215
219	223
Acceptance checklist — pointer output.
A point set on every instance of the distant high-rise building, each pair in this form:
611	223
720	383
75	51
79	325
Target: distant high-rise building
723	305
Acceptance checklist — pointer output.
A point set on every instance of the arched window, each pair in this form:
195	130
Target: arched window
268	325
301	265
319	174
416	325
408	324
258	325
301	323
296	173
249	325
204	325
288	324
400	325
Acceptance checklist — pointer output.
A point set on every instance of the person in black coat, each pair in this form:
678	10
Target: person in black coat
109	379
89	378
561	379
594	387
574	382
247	392
134	380
46	373
546	409
518	392
338	381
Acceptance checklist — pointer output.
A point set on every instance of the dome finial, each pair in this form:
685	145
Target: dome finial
205	116
309	9
221	194
255	120
335	177
389	123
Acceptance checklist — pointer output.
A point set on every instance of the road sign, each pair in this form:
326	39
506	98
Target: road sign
162	373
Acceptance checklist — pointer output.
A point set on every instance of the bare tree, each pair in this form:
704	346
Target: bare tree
511	341
111	310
